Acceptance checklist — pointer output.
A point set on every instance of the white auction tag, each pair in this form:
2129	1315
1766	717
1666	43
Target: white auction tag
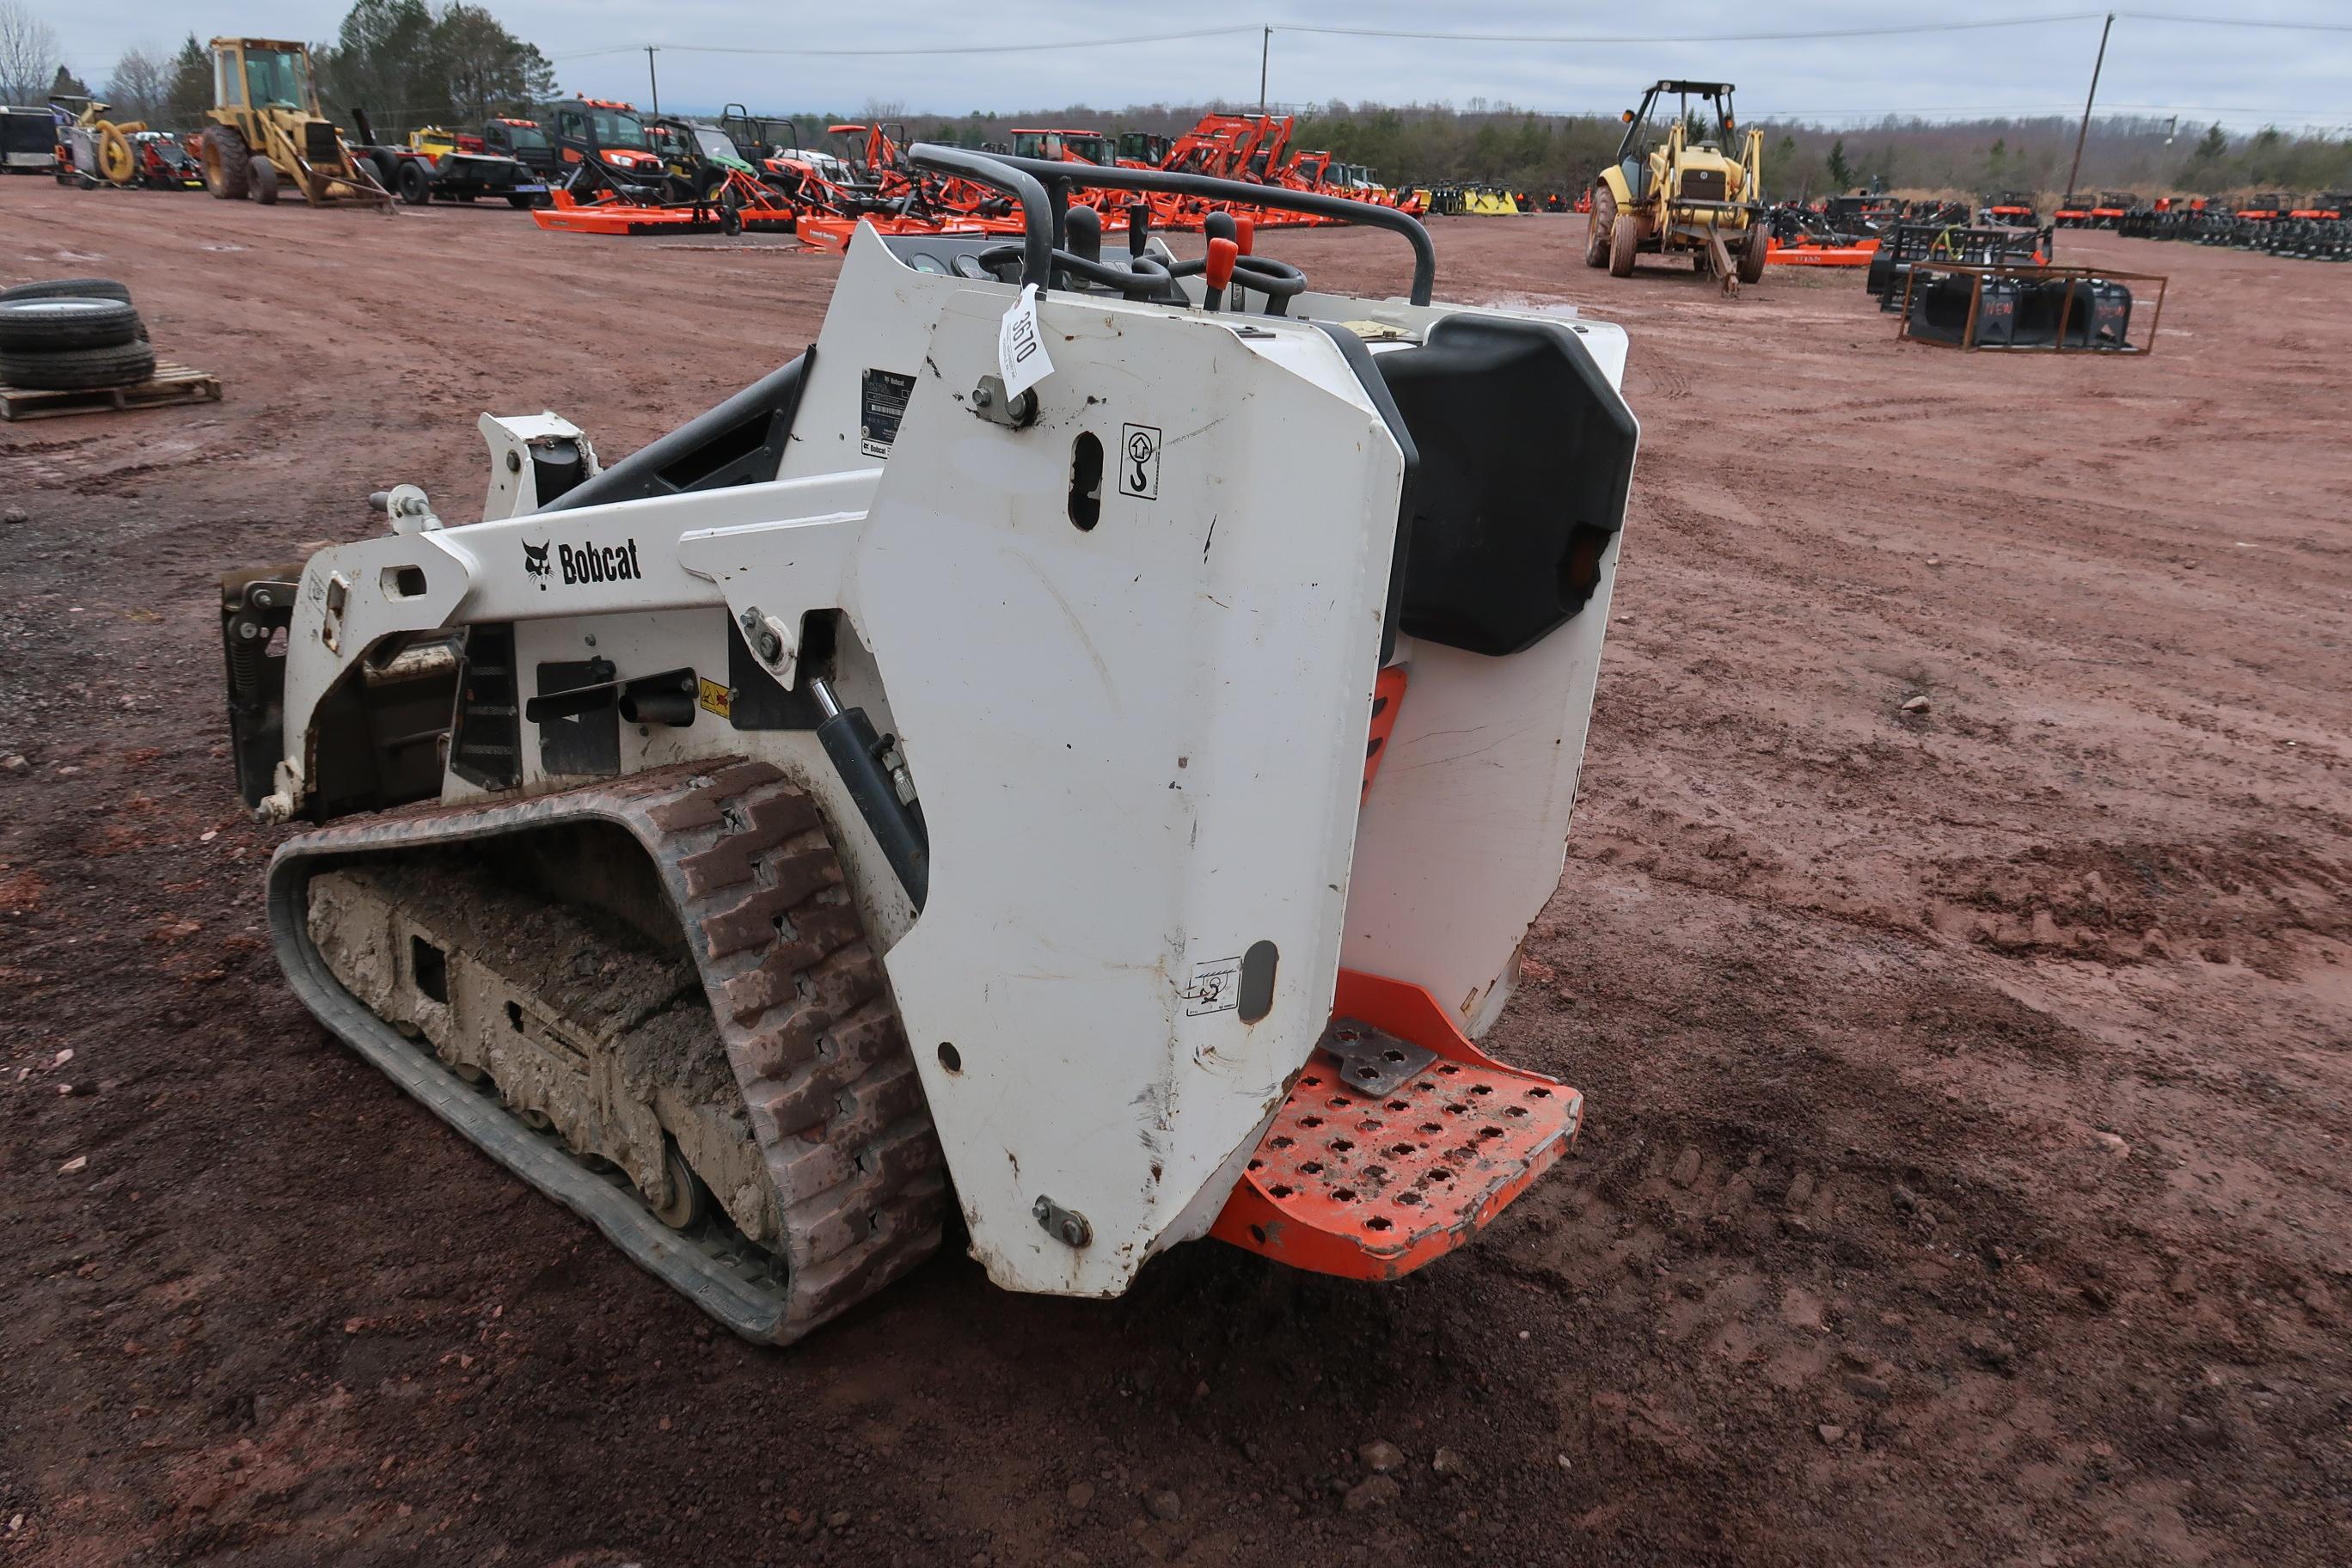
1021	355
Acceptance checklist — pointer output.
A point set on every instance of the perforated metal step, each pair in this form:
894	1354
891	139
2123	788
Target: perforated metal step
1374	1185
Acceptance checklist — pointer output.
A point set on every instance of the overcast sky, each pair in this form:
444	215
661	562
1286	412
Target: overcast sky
2243	77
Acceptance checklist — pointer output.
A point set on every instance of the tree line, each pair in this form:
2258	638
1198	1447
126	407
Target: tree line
1430	144
409	64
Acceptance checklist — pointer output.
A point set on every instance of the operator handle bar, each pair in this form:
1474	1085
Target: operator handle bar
1037	209
1021	175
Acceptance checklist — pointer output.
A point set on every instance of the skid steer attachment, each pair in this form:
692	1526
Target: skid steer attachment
1082	745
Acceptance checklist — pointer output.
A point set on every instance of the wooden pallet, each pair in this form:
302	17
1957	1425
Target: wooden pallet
172	383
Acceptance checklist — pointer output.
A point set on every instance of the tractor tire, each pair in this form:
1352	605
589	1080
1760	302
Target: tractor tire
1749	263
415	184
79	370
46	326
68	289
228	164
1598	227
264	175
523	203
386	166
1624	241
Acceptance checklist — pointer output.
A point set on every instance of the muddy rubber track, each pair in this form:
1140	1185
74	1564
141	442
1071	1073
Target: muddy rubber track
801	1005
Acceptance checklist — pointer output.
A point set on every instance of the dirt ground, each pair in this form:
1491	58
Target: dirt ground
1965	1180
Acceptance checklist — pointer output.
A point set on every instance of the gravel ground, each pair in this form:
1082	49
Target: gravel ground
1966	1177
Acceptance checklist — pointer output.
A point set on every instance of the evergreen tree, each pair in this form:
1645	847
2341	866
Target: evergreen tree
190	92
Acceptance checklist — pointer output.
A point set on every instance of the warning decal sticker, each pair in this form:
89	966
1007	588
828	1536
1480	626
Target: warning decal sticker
1139	468
881	404
1214	987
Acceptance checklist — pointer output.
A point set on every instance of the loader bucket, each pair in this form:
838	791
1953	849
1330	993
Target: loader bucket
2024	308
1947	308
2078	312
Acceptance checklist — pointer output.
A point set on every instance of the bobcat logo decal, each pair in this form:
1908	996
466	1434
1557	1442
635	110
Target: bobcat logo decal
583	562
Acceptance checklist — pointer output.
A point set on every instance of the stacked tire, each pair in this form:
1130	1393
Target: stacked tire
72	334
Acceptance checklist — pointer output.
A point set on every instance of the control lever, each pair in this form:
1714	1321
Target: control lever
1222	254
1082	226
1139	227
1217	226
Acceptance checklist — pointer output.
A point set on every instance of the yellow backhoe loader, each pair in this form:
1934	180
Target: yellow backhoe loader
1678	188
267	131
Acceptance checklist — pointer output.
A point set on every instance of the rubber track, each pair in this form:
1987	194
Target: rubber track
806	1019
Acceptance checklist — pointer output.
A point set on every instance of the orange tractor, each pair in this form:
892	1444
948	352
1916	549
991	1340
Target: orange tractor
1065	147
636	175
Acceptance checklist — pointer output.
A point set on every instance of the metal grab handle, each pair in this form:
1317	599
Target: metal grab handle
1036	210
1035	174
1145	278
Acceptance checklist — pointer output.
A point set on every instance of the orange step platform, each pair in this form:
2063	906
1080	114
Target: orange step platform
1374	1180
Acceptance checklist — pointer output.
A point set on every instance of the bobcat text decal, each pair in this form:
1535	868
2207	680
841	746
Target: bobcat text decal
585	562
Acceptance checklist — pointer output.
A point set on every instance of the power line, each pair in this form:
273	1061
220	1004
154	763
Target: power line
1596	40
1262	28
1265	31
2237	22
1592	40
1022	48
1889	30
1922	113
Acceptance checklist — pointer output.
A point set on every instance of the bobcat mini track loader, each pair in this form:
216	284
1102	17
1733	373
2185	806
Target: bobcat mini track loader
1081	745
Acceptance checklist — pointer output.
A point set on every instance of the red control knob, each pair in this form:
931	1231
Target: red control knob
1222	253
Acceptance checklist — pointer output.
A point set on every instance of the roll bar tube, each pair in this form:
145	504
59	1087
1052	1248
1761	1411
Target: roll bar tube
1036	210
1023	175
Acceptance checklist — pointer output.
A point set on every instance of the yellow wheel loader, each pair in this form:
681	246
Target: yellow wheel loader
1677	188
267	133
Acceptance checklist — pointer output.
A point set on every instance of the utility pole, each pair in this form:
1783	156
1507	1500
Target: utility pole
1265	48
2093	97
655	80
